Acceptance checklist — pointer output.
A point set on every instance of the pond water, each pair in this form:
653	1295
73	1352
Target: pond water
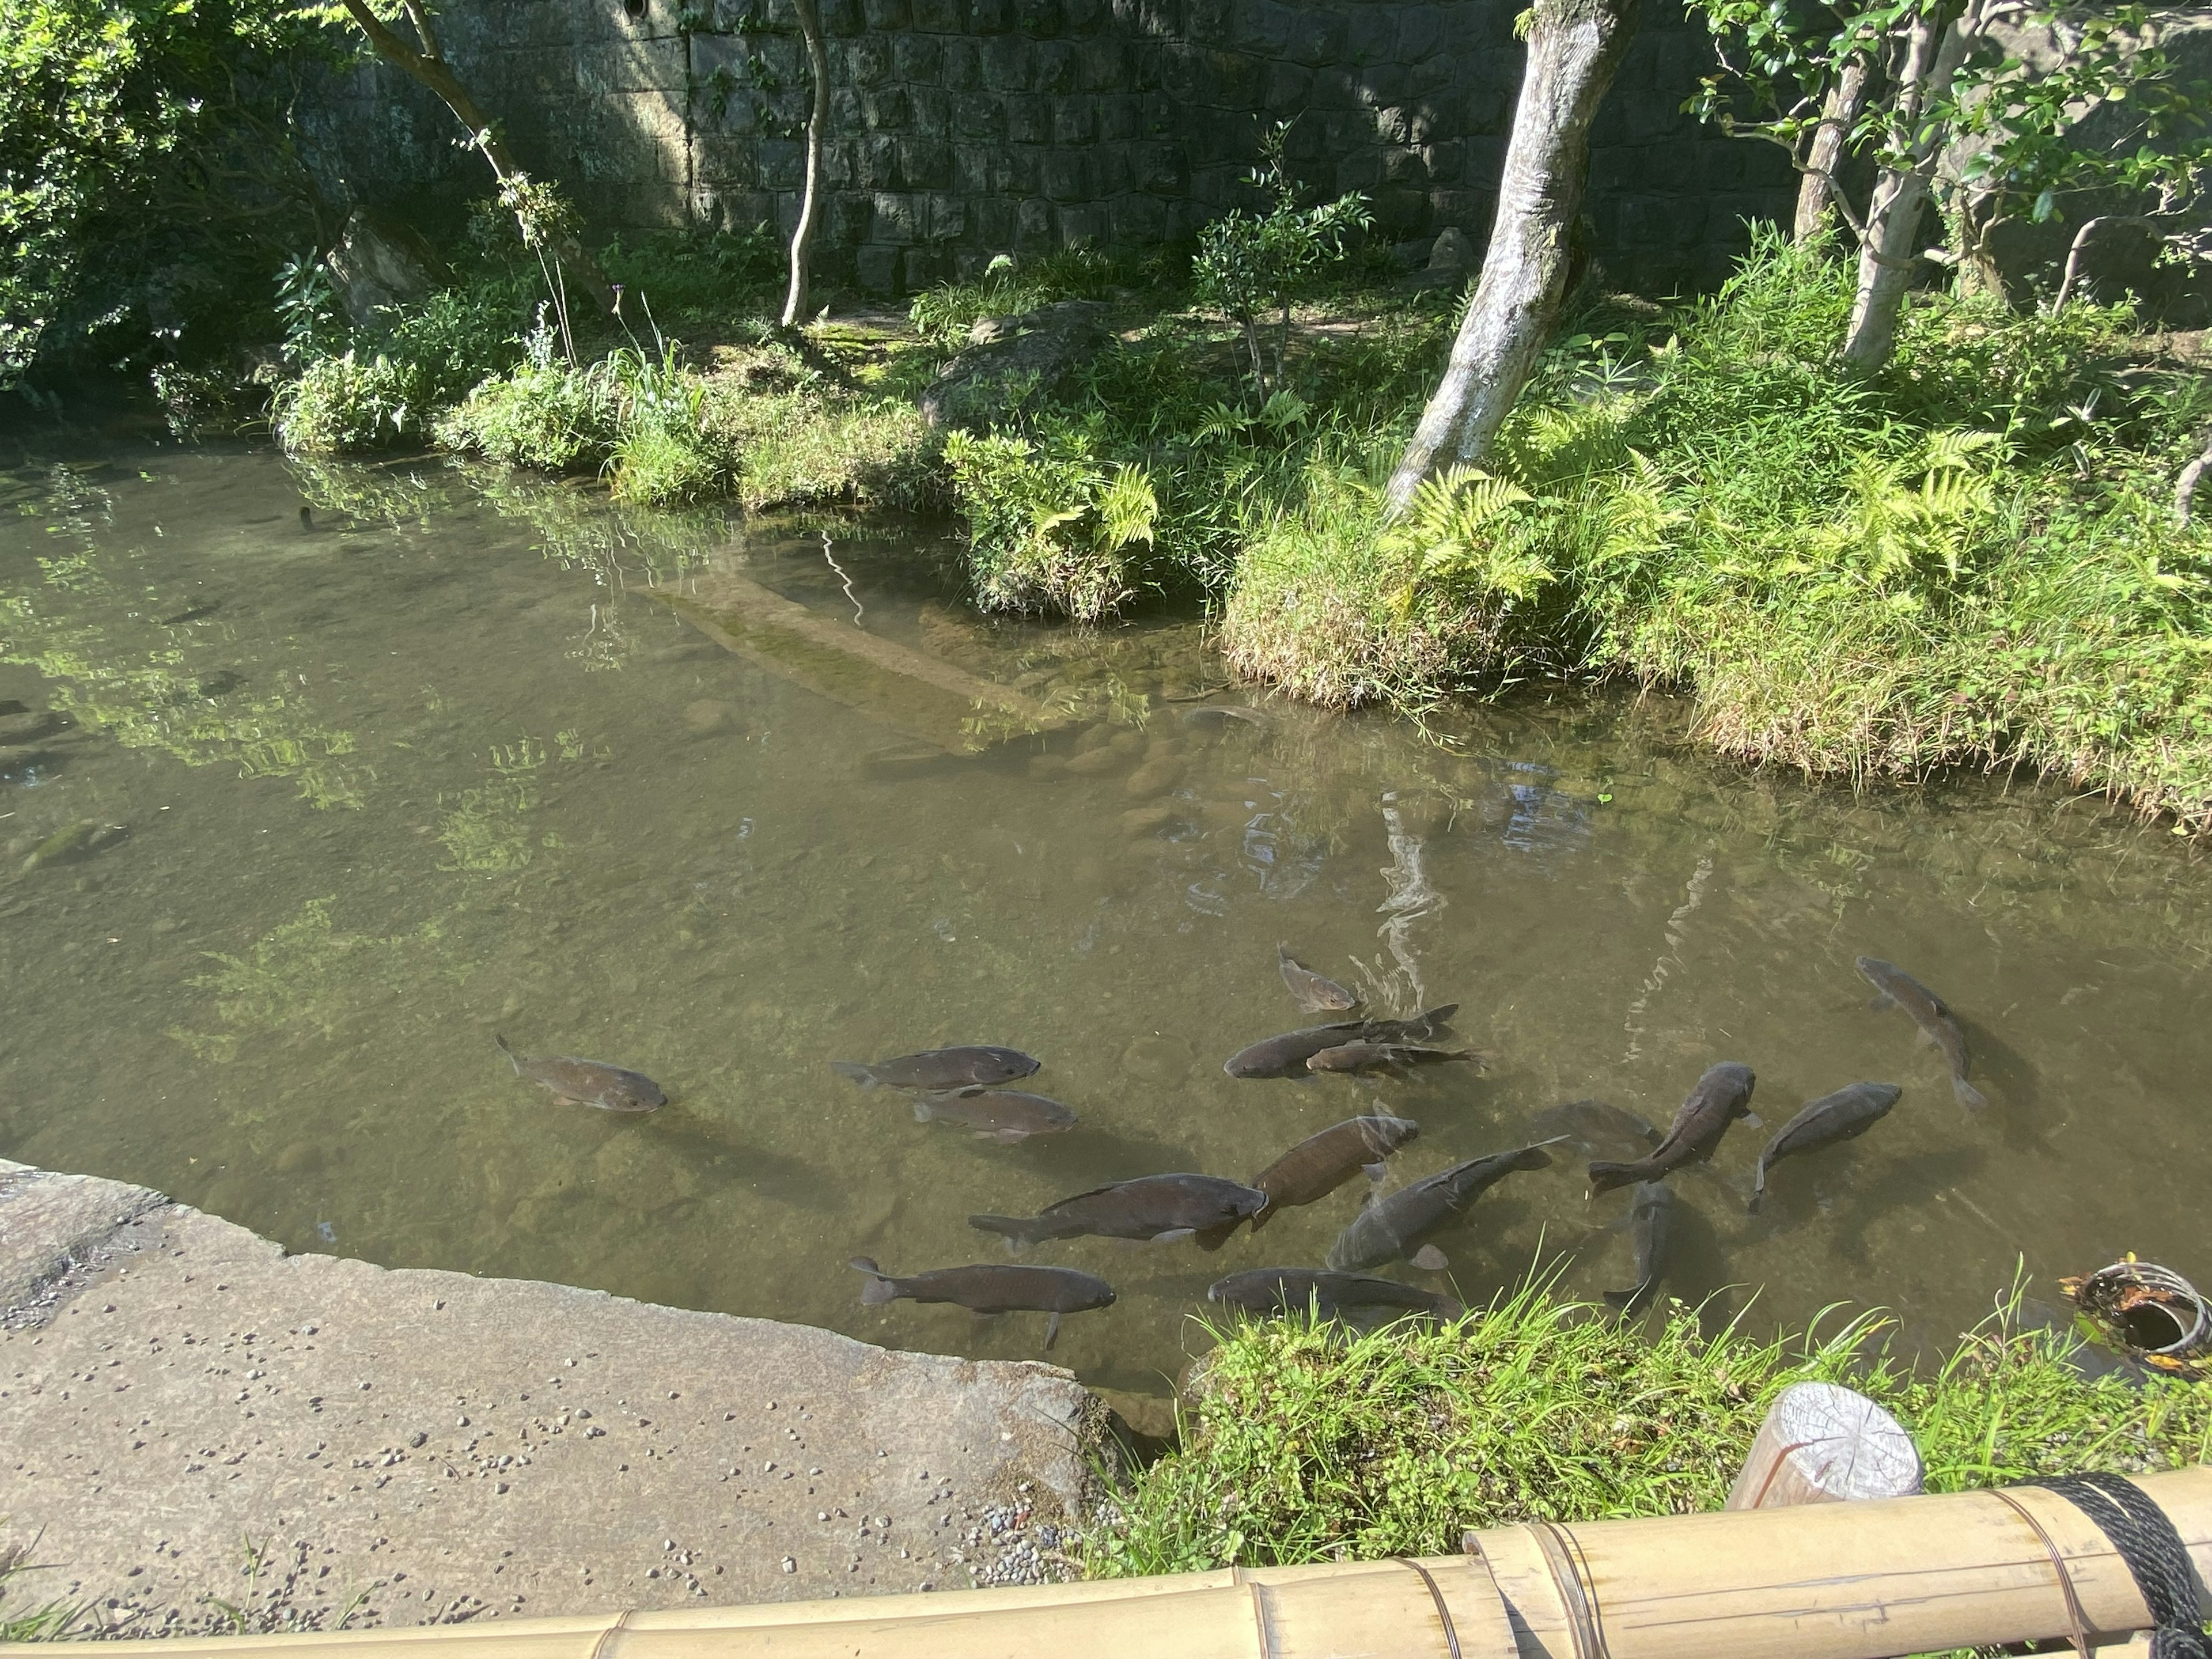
456	754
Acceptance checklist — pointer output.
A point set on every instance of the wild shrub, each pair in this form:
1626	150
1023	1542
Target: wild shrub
1051	523
389	386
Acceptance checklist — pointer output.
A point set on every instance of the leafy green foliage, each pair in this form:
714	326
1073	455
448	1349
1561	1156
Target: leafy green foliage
1307	1444
146	175
1051	523
1012	287
1252	265
387	387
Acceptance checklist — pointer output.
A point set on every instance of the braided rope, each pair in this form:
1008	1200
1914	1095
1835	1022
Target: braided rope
2156	1558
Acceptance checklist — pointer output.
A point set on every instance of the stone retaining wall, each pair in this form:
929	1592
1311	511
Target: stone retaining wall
965	128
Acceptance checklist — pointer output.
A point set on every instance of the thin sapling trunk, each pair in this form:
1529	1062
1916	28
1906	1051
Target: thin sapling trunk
1819	193
429	67
1575	46
818	127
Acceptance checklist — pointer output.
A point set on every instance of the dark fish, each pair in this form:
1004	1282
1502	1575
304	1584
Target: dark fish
1895	989
306	517
993	1288
13	706
995	1114
1351	1057
1295	1289
1159	1207
1595	1127
1722	1095
589	1083
1319	1163
220	684
1221	714
1315	993
941	1068
1651	1220
1839	1116
1287	1055
207	609
24	727
79	839
1392	1228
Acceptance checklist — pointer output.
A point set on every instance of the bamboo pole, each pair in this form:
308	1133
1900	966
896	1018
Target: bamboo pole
1868	1580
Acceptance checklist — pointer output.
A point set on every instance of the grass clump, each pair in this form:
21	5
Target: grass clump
1014	288
362	390
1310	1445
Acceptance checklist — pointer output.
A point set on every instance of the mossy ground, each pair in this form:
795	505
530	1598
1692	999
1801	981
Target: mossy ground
1307	1443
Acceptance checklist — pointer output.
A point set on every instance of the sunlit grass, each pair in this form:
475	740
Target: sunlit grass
1309	1444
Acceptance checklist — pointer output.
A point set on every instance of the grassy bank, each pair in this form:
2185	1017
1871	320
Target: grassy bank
1968	559
1307	1444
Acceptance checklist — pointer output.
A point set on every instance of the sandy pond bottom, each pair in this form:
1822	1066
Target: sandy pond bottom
450	757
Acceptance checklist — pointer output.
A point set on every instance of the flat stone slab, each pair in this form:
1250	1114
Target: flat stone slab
189	1417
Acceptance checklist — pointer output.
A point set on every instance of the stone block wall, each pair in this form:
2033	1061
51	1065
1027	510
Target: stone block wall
966	128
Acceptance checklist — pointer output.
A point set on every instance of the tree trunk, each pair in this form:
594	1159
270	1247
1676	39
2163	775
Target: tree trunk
818	127
1825	1444
1574	48
1818	190
1939	42
429	67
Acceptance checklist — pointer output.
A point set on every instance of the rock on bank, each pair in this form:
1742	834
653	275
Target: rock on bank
189	1414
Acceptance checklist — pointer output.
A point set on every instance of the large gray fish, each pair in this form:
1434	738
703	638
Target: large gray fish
589	1082
1722	1095
993	1288
1352	1059
1294	1290
1651	1222
1599	1129
1393	1228
1319	1163
1206	1208
1847	1112
1315	993
975	1066
1287	1055
995	1114
1895	989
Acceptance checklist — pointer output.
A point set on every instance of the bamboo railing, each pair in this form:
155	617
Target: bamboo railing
1829	1581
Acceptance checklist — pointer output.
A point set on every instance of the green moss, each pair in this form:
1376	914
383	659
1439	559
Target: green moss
1308	1445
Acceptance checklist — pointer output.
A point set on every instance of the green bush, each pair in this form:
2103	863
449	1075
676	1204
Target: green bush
394	385
148	175
541	414
1310	1445
1050	523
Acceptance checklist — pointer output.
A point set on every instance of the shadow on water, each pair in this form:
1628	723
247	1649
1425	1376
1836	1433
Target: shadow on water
1901	1191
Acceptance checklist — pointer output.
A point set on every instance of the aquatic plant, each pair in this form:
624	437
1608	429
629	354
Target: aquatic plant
1308	1444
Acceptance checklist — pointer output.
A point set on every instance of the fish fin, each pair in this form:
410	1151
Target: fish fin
1604	1177
863	1075
923	1111
1015	1230
1376	1172
880	1289
1430	1259
1174	1235
1754	1120
1758	1198
1881	999
1213	1239
1051	1332
512	1059
1969	1096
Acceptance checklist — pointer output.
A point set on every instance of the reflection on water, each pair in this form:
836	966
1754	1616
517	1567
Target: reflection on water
455	753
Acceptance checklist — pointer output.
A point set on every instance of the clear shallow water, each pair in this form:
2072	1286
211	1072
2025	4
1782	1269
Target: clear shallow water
457	757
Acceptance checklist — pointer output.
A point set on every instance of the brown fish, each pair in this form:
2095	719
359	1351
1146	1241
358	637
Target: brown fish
993	1288
1598	1128
1895	989
1722	1095
976	1065
589	1082
1352	1058
1319	1163
1315	993
1296	1290
1159	1207
995	1114
1287	1055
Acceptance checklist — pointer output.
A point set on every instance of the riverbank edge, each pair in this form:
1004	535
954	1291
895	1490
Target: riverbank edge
206	1434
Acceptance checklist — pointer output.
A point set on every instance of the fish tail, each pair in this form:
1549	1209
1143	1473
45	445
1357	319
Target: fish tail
922	1110
863	1075
1758	1195
1604	1177
512	1059
1625	1301
1532	1158
1437	1016
1264	1214
1969	1096
1017	1229
881	1286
